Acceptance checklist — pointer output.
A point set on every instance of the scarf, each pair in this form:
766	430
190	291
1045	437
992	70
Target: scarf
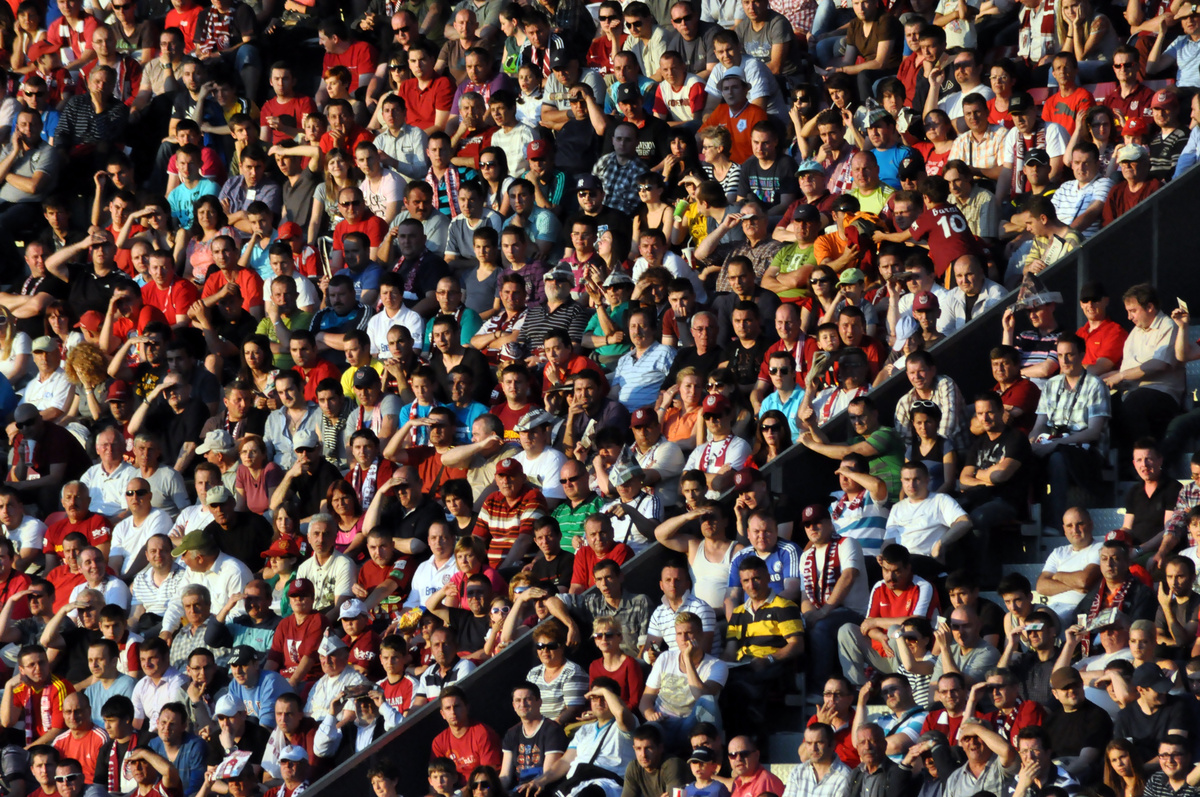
376	418
419	434
713	460
331	434
365	483
43	698
1118	600
1047	24
1005	722
827	409
847	504
822	589
452	182
114	771
1019	184
217	33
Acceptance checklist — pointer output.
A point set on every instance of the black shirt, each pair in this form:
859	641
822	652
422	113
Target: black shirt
254	739
176	428
653	140
554	574
246	538
471	630
48	283
89	291
529	752
723	306
1148	510
413	525
310	490
298	195
578	146
703	363
476	363
1144	730
1090	726
610	220
985	452
1034	676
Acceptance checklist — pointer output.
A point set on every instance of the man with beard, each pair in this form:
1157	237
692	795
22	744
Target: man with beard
242	535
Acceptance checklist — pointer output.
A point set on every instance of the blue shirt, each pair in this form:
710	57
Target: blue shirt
423	411
468	324
260	261
788	408
190	762
889	161
365	280
98	695
1187	61
783	562
638	379
260	698
182	199
466	418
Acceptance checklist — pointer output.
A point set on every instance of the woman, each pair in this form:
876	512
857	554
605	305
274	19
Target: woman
16	351
86	368
342	502
805	105
615	663
60	324
774	437
460	505
528	607
823	286
337	81
258	370
683	159
654	214
916	660
258	476
1089	36
562	682
1097	124
1172	135
1002	77
715	146
470	557
721	380
484	782
939	131
155	219
493	167
679	408
340	172
193	251
931	448
873	34
1123	769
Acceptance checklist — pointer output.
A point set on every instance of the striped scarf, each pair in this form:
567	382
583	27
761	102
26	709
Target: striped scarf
1019	184
452	180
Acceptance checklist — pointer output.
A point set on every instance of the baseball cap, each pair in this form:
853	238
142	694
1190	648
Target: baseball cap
808	165
814	512
1164	99
1038	157
216	440
1149	676
25	412
331	644
851	276
587	182
283	546
628	93
536	149
366	376
643	416
806	213
618	278
624	472
1092	291
217	495
288	231
559	275
714	404
119	391
243	654
533	419
1020	103
1132	152
1119	535
351	608
1065	677
228	706
91	321
192	541
292	753
703	755
38	49
877	116
301	588
846	204
509	467
743	480
44	343
737	72
561	59
924	300
304	438
1136	126
906	327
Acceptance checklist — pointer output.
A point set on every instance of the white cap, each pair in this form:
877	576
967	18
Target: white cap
330	644
351	608
293	753
228	706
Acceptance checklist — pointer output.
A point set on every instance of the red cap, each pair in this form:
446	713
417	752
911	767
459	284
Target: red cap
925	300
714	404
743	480
1136	126
38	49
91	321
118	391
1164	99
814	512
536	148
147	316
1120	535
302	588
289	230
509	467
284	546
643	416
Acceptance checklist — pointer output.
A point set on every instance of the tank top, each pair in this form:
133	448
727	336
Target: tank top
710	579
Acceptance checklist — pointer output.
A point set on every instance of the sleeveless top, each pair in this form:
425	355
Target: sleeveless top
710	580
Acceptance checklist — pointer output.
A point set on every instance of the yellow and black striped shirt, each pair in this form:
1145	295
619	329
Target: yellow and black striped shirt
765	631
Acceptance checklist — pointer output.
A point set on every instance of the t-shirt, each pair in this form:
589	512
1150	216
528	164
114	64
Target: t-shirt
529	751
918	525
949	235
768	184
293	641
674	694
1011	444
359	58
479	746
291	113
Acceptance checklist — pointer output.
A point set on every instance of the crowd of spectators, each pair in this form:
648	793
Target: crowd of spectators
322	387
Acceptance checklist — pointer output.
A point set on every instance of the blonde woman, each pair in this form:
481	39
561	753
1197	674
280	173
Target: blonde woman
16	351
340	173
715	145
87	369
1087	35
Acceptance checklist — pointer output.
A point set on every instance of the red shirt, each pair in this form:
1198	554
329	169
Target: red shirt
577	364
249	284
313	376
210	167
629	676
1023	395
917	599
375	228
64	581
174	301
400	694
359	58
1063	109
11	586
1028	712
1121	200
949	235
433	473
291	113
843	744
364	653
354	136
1106	341
586	559
186	22
43	705
94	527
941	721
401	570
84	750
510	417
754	785
1136	104
599	54
293	642
62	35
423	104
479	746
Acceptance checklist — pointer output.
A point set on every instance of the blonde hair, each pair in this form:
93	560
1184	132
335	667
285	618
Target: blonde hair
85	363
606	623
10	329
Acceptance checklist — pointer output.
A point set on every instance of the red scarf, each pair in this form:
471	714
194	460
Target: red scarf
1047	17
1005	722
847	504
1118	600
717	458
822	589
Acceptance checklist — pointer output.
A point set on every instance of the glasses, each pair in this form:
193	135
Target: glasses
604	635
821	281
123	6
350	204
923	404
482	785
771	428
755	219
778	371
859	418
138	493
714	386
963	65
474	593
637	23
833	694
609	18
30	93
1127	65
889	691
304	450
996	687
402	29
571	479
486	164
585	192
681	20
959	626
1171	756
644	187
76	776
548	646
500	609
739	754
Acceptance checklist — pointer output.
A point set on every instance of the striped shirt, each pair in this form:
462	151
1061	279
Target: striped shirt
570	519
501	523
864	520
1037	348
765	631
986	154
662	622
540	320
564	691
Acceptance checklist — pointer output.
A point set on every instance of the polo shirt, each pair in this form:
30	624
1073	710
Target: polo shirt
1106	341
764	631
789	408
423	104
570	520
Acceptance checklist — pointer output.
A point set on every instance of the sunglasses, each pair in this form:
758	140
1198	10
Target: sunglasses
821	281
395	66
585	192
500	609
481	785
778	371
771	427
350	204
604	635
304	450
68	778
548	645
739	754
714	386
923	404
138	493
609	18
681	20
571	479
29	93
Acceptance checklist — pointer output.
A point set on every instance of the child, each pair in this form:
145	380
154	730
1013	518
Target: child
704	765
304	256
48	66
423	382
363	642
397	685
256	252
942	223
114	625
443	778
529	104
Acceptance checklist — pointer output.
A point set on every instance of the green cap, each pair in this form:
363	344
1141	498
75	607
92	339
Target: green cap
191	541
851	276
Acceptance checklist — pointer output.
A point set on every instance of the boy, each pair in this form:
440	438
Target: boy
942	223
443	778
363	641
423	382
704	766
397	685
255	254
114	625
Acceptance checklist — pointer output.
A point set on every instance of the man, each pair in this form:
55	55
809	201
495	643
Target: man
35	685
927	524
1029	133
1154	714
822	773
29	170
725	452
469	744
56	458
898	730
337	676
743	288
619	170
540	461
980	146
1071	570
1181	51
293	651
676	583
1136	185
1077	730
995	477
881	445
1080	202
1117	589
715	254
183	750
660	459
328	571
1149	375
590	756
652	773
991	760
209	567
90	122
506	518
572	514
640	373
764	87
534	744
767	630
446	668
973	295
370	718
242	535
963	650
750	777
691	37
833	587
928	385
782	556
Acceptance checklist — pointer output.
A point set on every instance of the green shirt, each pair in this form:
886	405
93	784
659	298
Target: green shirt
297	320
618	316
570	521
790	258
889	458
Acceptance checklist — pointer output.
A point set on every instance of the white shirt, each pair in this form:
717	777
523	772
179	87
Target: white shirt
107	490
114	591
543	471
326	690
1056	142
428	579
674	696
713	456
226	577
306	295
149	698
55	392
1065	559
850	557
129	539
381	322
29	534
191	518
918	525
331	581
666	458
944	312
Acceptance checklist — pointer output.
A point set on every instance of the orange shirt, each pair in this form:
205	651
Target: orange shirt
739	126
